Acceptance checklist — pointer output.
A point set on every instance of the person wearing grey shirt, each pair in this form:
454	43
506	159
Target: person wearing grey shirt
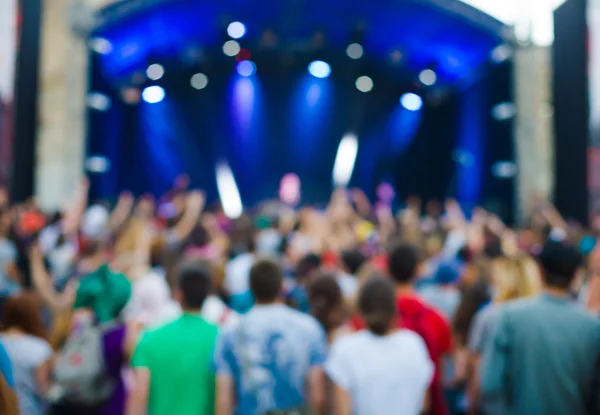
545	348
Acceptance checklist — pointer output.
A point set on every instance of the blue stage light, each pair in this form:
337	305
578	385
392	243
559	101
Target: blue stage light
246	68
411	102
236	30
319	69
153	94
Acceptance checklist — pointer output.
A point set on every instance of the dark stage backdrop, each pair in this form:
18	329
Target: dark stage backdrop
295	126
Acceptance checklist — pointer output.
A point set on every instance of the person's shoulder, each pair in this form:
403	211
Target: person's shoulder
303	320
35	345
409	338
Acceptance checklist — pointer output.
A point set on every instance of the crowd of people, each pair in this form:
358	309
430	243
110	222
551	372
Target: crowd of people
169	307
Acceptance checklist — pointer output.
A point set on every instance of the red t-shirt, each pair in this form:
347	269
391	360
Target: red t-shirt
435	330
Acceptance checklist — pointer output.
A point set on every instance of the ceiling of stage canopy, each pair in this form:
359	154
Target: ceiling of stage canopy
449	36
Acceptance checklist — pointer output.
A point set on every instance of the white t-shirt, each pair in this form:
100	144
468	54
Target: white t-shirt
384	375
237	274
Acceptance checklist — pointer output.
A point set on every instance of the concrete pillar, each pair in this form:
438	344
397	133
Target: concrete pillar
534	140
62	104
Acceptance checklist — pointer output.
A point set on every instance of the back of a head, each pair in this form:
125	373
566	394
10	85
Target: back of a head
403	261
266	279
377	305
308	264
515	277
352	260
23	312
560	263
195	284
325	296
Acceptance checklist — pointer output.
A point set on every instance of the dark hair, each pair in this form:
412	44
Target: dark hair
560	263
25	313
195	284
306	265
266	279
352	260
473	298
325	297
377	305
403	260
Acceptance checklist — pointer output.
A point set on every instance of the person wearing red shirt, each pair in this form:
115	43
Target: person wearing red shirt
414	314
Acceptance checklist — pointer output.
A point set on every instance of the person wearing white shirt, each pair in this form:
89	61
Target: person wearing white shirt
380	370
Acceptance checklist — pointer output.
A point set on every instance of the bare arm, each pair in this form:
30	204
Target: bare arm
341	401
316	389
121	212
194	206
42	377
137	401
74	214
42	282
224	397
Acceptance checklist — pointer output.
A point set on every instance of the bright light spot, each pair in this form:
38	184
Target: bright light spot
319	69
199	81
504	111
228	191
231	48
155	71
97	164
344	160
354	51
501	53
364	84
153	94
504	169
98	101
246	68
411	102
533	20
100	45
463	157
236	30
428	77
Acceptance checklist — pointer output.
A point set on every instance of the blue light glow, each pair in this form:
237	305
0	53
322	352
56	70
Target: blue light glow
236	30
319	69
411	102
153	94
246	68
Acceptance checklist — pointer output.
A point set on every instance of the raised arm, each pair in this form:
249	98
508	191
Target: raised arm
121	212
194	205
74	213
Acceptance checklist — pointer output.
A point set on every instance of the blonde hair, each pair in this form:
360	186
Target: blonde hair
515	277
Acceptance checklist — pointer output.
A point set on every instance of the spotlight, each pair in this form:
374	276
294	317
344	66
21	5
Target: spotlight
411	102
98	101
97	164
236	30
504	111
246	68
155	71
354	51
344	160
228	191
199	81
153	94
501	53
364	84
100	45
504	169
319	69
231	48
428	77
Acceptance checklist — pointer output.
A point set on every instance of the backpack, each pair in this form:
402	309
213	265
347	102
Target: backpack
81	378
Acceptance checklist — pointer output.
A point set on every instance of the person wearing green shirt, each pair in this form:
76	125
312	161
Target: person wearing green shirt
542	361
173	363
